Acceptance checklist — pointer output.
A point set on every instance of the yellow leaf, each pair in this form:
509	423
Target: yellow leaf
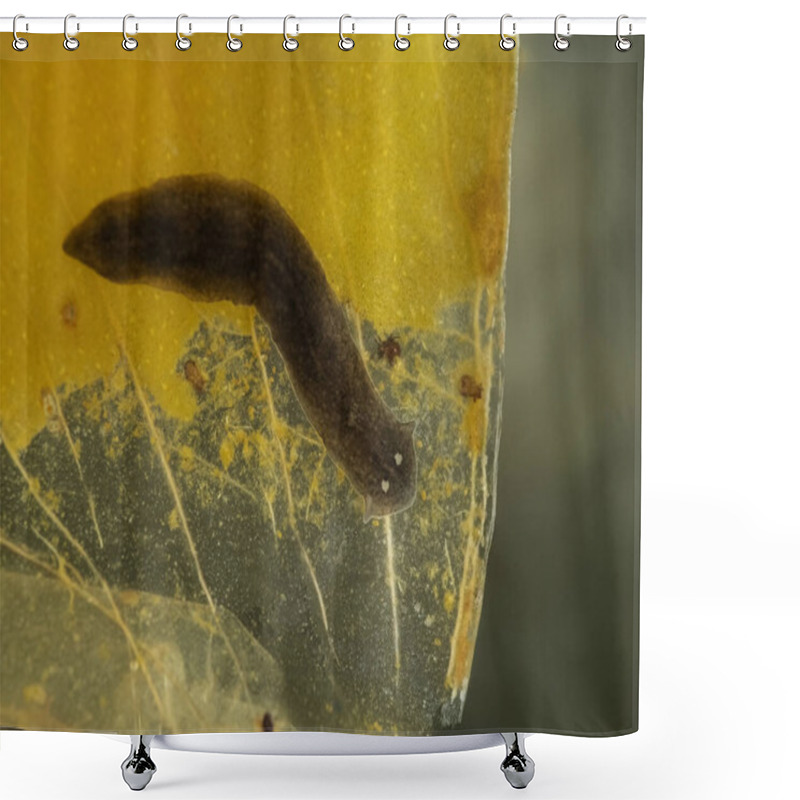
394	165
194	442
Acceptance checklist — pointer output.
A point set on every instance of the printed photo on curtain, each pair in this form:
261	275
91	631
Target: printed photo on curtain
320	385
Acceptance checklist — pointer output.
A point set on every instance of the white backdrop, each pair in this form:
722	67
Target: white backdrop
720	446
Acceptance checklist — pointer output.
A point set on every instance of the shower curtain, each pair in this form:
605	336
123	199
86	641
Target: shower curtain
319	391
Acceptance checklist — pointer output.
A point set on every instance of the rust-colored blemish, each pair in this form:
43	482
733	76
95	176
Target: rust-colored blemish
69	314
389	349
486	202
194	375
469	387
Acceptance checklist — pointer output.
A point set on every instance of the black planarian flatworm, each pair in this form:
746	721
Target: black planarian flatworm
213	239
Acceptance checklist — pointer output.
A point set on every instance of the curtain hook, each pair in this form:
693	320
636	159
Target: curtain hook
560	42
18	43
622	43
182	43
345	42
401	42
290	44
128	42
506	42
233	44
70	42
451	42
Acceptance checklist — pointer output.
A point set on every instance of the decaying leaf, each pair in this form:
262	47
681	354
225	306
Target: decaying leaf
91	658
169	515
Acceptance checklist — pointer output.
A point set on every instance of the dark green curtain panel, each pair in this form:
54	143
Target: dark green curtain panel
320	386
558	646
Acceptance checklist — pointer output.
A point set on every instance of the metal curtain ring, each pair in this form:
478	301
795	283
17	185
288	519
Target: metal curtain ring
128	42
622	43
18	43
289	43
560	42
400	42
451	42
233	44
506	42
182	43
70	42
345	42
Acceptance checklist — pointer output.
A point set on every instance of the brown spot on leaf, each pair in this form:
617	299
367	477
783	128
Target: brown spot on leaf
469	387
193	374
69	314
389	349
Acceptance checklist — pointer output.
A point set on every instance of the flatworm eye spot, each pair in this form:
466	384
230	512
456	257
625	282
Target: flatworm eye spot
398	459
385	486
